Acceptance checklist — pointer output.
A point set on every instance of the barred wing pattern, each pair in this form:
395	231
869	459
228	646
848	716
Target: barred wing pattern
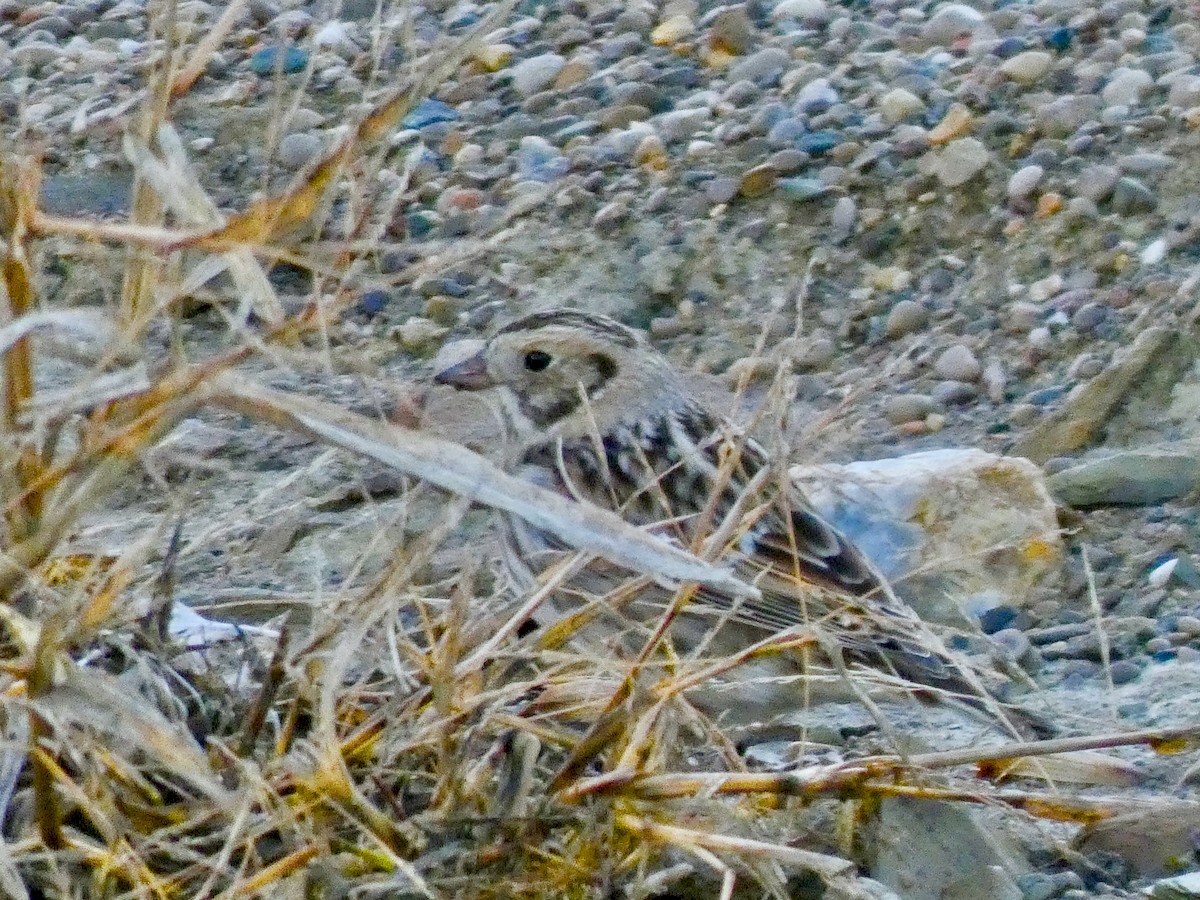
807	571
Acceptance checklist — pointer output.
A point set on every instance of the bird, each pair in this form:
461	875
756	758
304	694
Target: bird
594	412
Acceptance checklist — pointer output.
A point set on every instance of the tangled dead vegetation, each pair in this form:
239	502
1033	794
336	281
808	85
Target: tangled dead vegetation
403	738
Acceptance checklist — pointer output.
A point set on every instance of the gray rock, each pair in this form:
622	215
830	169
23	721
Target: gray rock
96	193
741	93
1184	91
958	363
1152	840
1027	68
680	124
1123	671
1024	181
536	73
810	12
926	850
898	104
789	161
904	318
764	68
1063	116
914	513
1146	164
1014	644
904	408
1180	887
956	163
815	354
1047	886
818	94
952	20
297	149
953	393
1131	196
1097	182
1133	477
721	190
733	30
1126	87
842	219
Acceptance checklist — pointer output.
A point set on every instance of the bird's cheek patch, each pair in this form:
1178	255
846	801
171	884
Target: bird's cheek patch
605	369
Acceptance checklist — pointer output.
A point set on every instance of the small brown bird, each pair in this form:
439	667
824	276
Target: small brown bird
595	413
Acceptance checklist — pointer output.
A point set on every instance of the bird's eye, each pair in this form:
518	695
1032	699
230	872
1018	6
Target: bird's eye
537	360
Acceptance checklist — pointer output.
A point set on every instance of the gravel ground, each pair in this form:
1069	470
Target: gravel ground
972	210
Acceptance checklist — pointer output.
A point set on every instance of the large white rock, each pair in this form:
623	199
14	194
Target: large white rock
958	531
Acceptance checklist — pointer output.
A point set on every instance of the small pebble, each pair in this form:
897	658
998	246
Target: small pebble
809	12
1126	87
1123	671
842	220
763	67
904	408
956	123
758	182
950	21
906	317
420	335
721	190
536	73
732	31
1027	68
958	363
958	162
1023	414
1024	181
1013	643
672	30
297	149
288	60
898	104
1131	196
953	393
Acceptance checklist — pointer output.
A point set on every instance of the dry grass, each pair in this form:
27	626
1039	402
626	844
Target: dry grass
399	741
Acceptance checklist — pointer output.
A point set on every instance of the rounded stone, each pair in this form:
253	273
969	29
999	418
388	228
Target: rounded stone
679	125
1184	91
536	73
810	12
815	354
721	190
958	363
958	162
842	219
953	393
1131	196
764	68
1041	339
1097	182
732	31
1023	414
952	20
1027	68
1126	87
758	182
295	150
1123	671
1024	181
1013	643
904	408
898	104
1063	116
905	317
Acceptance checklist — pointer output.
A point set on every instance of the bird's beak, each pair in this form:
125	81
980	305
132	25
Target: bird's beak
468	375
